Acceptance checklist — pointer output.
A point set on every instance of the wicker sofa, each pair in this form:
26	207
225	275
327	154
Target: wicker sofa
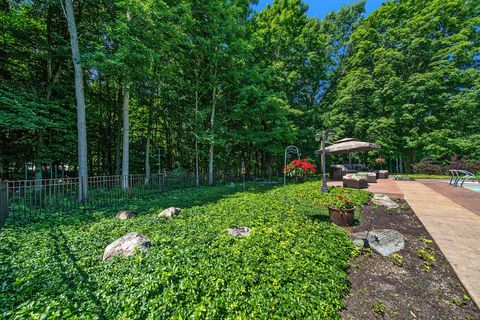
337	172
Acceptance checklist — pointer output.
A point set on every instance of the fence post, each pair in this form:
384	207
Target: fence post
129	186
3	202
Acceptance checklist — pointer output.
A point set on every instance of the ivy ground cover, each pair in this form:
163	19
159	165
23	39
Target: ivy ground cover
290	266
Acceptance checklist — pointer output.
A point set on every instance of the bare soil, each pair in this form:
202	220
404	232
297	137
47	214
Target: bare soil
415	288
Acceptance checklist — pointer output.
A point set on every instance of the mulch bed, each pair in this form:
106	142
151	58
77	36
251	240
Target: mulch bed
383	288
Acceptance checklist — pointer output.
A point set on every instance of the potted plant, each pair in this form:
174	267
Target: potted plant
300	169
380	162
342	211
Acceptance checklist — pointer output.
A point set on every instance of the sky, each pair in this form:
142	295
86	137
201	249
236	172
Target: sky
320	8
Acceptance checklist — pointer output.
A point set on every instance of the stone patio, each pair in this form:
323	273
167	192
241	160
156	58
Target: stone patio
387	187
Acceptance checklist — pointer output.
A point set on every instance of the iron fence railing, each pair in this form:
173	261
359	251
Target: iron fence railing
26	200
3	203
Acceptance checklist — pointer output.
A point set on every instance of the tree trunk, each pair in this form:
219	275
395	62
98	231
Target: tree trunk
197	178
80	97
118	139
147	148
38	164
212	141
126	145
409	160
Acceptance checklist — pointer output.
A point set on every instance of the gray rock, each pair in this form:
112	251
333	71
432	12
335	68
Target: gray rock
358	243
239	231
382	241
125	214
126	246
383	200
170	212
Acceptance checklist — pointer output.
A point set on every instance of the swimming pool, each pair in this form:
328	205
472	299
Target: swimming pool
475	186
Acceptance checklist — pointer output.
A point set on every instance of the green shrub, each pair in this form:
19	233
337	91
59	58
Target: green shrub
290	266
397	259
378	308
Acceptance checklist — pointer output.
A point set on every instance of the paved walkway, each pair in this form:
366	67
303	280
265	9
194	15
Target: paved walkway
455	229
465	197
384	186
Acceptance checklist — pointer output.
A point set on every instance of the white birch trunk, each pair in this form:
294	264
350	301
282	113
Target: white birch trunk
80	97
212	125
197	171
126	142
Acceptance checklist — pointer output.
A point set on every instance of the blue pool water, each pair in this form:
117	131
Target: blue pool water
475	186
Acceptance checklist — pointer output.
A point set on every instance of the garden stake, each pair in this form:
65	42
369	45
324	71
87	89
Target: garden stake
365	240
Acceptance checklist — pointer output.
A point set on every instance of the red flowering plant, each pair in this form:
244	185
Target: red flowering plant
300	168
341	203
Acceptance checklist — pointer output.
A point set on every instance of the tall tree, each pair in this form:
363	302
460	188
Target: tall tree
80	97
411	63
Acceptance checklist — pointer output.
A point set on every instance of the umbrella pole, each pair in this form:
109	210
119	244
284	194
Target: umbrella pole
350	158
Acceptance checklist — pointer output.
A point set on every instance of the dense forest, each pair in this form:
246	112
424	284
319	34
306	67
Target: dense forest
204	85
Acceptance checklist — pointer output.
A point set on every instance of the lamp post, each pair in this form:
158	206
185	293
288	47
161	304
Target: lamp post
322	138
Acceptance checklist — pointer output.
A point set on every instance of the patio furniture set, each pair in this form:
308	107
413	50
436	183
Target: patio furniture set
356	175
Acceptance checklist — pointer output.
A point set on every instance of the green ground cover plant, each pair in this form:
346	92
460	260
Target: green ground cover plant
290	266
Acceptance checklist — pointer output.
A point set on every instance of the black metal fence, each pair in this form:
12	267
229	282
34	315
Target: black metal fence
27	200
3	203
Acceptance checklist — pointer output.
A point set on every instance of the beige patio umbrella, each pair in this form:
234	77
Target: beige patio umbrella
349	145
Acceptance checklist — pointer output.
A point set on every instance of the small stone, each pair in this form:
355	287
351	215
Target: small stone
358	243
382	241
170	212
126	246
231	185
239	231
125	214
383	200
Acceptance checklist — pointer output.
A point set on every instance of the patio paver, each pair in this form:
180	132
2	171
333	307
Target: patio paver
467	198
383	186
455	229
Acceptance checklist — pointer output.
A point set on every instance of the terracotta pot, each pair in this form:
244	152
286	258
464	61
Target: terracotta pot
342	217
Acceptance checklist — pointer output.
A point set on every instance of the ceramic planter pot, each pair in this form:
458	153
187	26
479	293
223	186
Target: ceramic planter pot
342	217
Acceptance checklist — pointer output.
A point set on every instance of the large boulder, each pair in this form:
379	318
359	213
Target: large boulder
382	241
125	214
170	212
239	231
126	246
383	200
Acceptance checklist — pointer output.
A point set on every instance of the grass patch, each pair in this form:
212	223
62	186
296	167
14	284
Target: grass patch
291	266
